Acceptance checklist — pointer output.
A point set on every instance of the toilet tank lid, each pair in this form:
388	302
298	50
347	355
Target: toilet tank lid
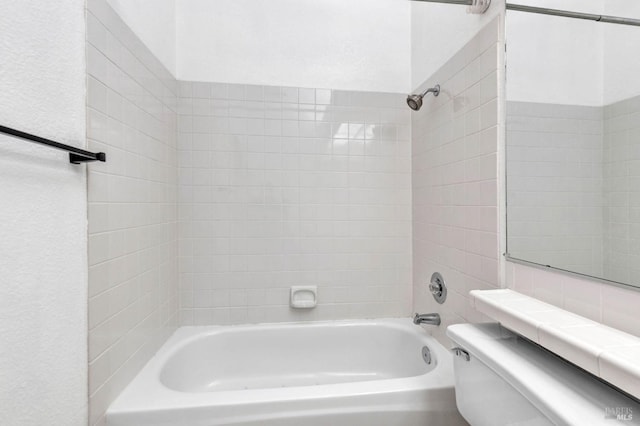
563	392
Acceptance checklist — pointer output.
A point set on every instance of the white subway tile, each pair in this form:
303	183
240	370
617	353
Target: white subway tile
454	169
289	95
131	110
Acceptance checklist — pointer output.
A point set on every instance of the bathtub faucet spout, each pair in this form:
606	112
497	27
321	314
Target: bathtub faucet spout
427	319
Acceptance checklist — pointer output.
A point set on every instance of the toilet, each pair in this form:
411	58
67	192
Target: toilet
502	378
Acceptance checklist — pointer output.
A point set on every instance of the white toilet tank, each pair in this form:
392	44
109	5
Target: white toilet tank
503	379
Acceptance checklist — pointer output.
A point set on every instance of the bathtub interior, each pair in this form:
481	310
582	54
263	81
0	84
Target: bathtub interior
292	355
334	372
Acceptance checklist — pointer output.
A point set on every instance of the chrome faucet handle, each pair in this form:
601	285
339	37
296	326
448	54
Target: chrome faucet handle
438	288
435	287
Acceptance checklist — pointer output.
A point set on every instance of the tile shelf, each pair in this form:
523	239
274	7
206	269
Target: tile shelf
605	352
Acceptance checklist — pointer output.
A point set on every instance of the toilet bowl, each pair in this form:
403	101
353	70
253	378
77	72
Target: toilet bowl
503	379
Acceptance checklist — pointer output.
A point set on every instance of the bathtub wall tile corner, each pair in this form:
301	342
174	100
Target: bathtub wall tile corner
455	181
133	274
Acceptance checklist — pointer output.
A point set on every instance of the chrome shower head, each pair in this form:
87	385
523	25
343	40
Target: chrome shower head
415	101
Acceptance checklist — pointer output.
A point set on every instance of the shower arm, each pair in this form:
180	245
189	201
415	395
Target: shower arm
435	90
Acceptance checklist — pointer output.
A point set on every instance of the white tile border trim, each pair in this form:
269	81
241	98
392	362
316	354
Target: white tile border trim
606	352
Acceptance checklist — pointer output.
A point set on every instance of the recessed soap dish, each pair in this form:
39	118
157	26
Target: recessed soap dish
304	296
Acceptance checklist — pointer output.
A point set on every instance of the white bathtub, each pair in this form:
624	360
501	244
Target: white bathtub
325	373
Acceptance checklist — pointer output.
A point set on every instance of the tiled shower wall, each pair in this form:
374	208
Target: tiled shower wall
283	186
455	181
554	185
133	296
622	190
613	306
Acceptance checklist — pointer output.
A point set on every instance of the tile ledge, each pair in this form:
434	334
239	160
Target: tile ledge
603	351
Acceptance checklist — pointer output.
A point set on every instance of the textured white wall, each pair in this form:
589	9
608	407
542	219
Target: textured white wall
337	44
438	31
154	21
43	219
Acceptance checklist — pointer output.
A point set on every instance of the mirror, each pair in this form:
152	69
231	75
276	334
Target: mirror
573	141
